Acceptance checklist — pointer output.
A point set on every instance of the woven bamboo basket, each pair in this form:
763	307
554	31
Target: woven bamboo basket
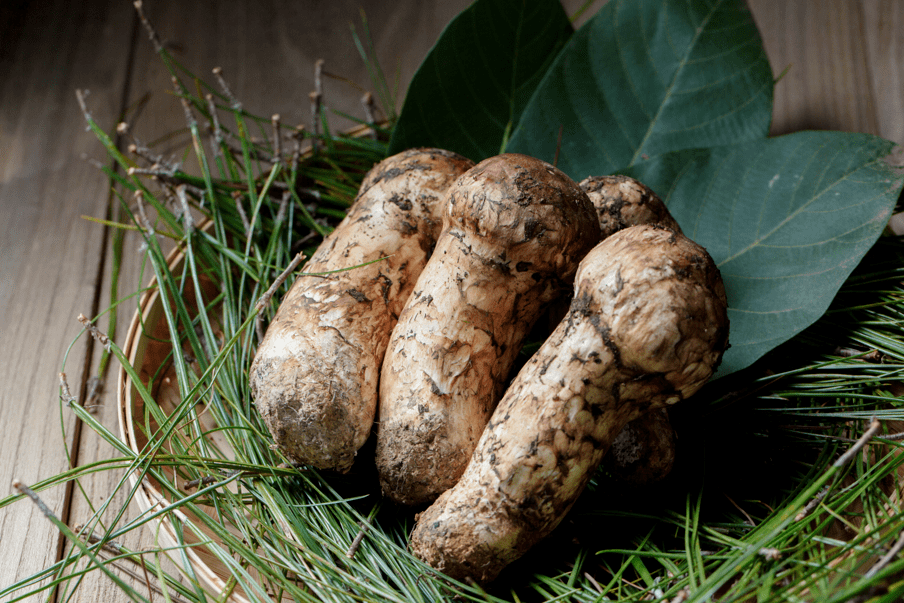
148	349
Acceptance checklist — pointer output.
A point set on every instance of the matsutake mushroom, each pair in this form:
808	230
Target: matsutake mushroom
646	329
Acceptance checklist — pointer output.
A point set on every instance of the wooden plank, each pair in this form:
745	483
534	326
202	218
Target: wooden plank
823	47
883	31
268	62
267	51
48	254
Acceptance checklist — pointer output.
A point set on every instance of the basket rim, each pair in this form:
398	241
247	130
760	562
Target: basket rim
147	496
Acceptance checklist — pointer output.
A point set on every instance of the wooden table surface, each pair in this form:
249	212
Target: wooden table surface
846	60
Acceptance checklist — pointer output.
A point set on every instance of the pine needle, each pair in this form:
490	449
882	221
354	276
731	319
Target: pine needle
787	487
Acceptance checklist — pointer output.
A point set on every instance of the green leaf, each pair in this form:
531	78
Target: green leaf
645	77
472	87
786	220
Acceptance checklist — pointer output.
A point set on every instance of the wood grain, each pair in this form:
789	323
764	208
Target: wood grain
269	65
884	37
846	60
48	254
820	47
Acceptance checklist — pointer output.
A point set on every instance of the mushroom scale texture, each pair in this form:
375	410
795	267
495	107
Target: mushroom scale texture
514	230
646	328
314	377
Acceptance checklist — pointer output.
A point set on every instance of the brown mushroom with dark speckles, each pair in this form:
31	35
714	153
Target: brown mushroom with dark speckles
314	377
646	449
514	231
647	327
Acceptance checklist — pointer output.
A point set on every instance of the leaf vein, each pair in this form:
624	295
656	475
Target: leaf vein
673	83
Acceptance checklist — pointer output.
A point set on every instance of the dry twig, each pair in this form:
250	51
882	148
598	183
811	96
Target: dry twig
80	96
847	457
227	92
215	127
886	558
142	216
237	197
370	112
95	332
186	210
277	135
152	35
66	394
353	548
844	459
265	298
316	100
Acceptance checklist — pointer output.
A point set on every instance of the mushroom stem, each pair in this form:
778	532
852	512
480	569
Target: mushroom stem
314	377
514	230
646	329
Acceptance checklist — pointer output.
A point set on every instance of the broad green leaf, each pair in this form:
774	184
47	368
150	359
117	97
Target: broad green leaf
473	85
786	220
645	77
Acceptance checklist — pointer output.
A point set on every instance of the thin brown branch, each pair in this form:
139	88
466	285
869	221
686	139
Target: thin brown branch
847	457
142	216
297	137
259	328
186	107
80	96
870	355
152	34
139	149
215	127
295	465
555	160
154	171
66	394
593	581
316	101
95	390
370	107
265	298
255	151
743	512
359	537
844	459
111	547
311	235
95	332
187	219
69	399
40	504
277	136
283	207
205	481
318	76
886	558
147	579
810	506
237	197
227	92
370	112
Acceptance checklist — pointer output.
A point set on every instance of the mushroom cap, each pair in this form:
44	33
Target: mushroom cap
622	201
646	327
314	377
521	210
660	299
